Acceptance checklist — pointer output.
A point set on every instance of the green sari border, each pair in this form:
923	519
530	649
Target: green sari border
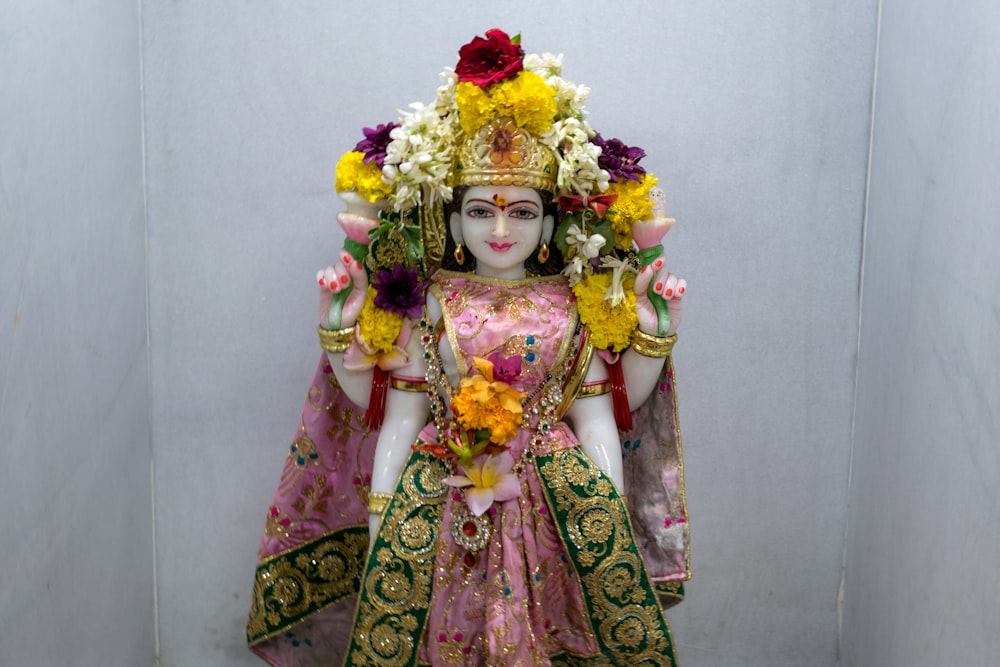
595	529
299	582
394	600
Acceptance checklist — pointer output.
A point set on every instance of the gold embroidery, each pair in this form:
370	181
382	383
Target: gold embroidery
297	583
622	604
397	584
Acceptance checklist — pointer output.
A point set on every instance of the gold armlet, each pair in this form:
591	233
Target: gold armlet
407	384
336	340
652	346
377	502
594	388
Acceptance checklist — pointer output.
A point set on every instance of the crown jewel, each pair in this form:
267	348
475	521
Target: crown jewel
501	153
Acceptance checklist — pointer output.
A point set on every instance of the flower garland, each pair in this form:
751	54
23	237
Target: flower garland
611	325
408	163
353	173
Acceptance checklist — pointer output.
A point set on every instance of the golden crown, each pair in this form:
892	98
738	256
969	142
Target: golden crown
501	153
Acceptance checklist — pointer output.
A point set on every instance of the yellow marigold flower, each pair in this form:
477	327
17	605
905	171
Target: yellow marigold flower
486	403
610	326
526	98
491	415
379	328
475	108
530	101
366	179
632	205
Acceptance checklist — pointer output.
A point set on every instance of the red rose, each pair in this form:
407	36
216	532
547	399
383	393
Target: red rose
486	61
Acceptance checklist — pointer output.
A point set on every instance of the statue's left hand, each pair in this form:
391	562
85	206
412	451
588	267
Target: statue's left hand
655	282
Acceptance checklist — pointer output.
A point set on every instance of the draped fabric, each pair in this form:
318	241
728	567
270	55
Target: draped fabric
569	575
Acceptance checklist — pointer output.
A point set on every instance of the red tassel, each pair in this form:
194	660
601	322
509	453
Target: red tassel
376	400
619	396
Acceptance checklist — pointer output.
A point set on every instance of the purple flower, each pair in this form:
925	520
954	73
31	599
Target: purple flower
399	290
619	160
505	369
375	142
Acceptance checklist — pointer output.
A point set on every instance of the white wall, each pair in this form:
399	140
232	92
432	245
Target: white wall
756	118
922	577
75	525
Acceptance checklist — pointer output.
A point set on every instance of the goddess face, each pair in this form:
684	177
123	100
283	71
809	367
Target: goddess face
501	226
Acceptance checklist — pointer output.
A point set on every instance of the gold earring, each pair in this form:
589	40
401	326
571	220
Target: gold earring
459	254
543	253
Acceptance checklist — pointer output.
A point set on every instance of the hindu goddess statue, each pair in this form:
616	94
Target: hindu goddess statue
488	468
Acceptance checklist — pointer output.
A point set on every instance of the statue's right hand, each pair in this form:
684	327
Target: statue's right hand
343	288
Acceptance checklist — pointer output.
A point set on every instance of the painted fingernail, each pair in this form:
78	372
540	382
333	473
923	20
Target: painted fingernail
680	290
357	265
659	287
669	292
322	282
658	263
343	280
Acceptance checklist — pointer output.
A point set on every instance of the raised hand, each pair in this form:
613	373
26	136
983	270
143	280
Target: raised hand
659	295
343	288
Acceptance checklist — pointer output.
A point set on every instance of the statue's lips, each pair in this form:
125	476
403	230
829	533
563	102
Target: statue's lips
501	247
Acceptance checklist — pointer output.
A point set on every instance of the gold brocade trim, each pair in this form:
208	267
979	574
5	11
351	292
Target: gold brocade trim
670	592
573	387
625	613
392	607
498	282
297	583
680	462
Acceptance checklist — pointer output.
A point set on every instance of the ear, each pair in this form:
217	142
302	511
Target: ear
548	225
455	226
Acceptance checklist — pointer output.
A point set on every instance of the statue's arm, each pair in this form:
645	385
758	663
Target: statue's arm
593	421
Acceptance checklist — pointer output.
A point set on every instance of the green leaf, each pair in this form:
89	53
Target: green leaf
560	236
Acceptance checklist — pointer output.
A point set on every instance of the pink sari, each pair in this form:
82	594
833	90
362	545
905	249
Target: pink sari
562	578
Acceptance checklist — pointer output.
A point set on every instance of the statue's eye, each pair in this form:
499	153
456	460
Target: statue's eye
478	212
525	213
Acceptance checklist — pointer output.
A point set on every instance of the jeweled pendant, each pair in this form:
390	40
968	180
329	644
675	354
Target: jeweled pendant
470	532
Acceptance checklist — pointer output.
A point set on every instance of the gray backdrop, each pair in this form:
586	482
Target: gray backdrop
221	124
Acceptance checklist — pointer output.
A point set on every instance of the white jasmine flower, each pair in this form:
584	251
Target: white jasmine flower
616	291
587	247
545	65
574	270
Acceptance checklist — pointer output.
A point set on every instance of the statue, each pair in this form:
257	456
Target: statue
488	466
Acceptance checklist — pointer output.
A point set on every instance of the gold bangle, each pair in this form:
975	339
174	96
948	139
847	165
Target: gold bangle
404	384
335	340
598	388
377	502
652	346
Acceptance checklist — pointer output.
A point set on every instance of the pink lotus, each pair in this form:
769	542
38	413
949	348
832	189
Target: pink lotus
649	233
360	217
